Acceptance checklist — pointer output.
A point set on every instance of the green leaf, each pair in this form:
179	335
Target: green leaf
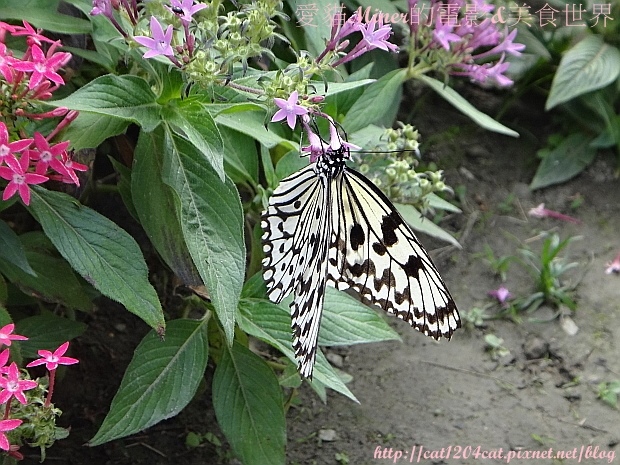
272	324
101	252
437	202
455	99
240	157
249	407
381	96
11	249
564	162
252	123
91	129
53	281
190	120
211	216
347	321
161	379
156	206
126	97
124	185
590	65
46	332
315	22
335	88
290	163
254	287
417	221
43	14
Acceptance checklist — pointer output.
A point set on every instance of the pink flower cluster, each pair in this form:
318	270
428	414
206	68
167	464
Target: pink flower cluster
375	34
476	47
23	83
12	386
160	41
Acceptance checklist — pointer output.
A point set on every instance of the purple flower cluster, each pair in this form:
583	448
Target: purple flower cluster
461	35
375	34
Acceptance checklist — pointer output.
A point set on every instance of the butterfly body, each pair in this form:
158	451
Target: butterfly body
327	224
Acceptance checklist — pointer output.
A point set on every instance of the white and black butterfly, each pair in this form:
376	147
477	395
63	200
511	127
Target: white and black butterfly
327	224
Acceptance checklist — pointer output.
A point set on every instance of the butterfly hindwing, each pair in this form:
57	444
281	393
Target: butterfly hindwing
380	257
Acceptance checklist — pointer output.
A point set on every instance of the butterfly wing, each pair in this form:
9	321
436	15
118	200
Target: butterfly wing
374	252
295	246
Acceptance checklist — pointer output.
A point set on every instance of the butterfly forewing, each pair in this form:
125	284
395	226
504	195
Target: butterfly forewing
295	255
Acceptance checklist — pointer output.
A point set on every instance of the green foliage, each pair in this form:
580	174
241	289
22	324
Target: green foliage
548	268
608	392
584	70
499	265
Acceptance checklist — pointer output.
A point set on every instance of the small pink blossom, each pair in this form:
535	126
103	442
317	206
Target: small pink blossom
443	35
19	179
7	425
43	67
377	38
541	212
4	358
9	149
289	110
6	335
52	360
47	155
6	63
613	266
317	147
159	44
15	387
102	7
185	9
501	294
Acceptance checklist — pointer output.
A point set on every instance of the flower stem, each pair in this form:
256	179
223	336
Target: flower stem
50	389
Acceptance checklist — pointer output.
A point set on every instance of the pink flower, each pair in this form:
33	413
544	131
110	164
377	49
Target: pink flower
6	337
15	387
71	167
42	67
47	155
495	74
7	425
185	9
377	38
443	34
6	63
9	149
317	147
541	212
289	110
613	266
501	294
19	179
4	358
52	360
102	7
159	44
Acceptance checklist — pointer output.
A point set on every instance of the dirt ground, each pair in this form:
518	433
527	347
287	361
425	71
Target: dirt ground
419	394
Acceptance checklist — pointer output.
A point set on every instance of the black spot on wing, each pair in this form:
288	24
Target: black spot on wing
379	248
413	266
389	225
357	236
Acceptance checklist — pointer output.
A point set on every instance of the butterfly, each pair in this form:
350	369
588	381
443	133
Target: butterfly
328	225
